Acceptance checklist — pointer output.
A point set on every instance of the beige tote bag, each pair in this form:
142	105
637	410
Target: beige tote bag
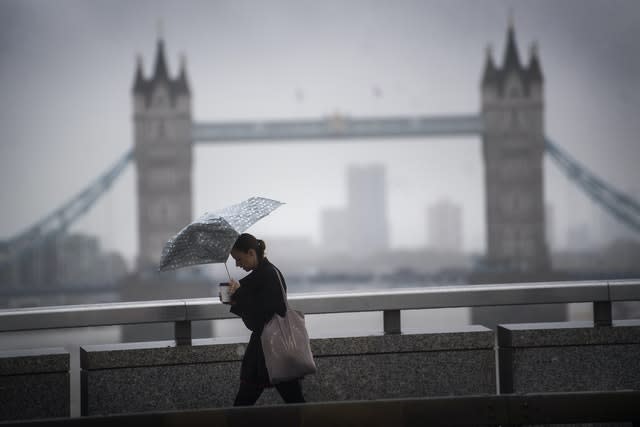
285	342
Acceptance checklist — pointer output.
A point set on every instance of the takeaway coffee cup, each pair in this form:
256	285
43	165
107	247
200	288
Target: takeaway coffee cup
225	296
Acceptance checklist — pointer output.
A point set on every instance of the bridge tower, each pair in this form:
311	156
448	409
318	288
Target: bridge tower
162	133
513	148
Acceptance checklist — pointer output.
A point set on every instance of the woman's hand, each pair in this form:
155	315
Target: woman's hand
233	286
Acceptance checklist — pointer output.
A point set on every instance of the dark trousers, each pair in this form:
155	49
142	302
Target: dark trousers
290	391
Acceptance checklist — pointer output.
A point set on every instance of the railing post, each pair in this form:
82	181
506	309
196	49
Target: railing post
182	331
391	321
602	313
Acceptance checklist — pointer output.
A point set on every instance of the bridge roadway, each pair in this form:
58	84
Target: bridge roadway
337	127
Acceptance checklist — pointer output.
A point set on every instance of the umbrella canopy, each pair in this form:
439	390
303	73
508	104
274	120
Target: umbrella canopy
209	239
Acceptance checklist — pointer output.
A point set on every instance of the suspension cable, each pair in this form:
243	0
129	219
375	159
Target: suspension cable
623	207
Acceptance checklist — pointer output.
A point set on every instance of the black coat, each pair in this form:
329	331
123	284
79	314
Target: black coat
257	299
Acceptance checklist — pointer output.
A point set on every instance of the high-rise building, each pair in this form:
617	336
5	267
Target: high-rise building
444	226
367	209
335	230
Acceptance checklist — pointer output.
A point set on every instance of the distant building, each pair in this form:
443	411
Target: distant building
444	226
78	256
63	261
367	209
334	230
293	254
621	259
289	247
81	262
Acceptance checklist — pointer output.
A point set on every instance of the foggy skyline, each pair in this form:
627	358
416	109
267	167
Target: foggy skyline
67	67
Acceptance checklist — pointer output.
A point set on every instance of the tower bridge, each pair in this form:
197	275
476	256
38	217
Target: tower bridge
510	125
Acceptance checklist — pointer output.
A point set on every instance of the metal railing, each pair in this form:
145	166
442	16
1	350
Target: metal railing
391	302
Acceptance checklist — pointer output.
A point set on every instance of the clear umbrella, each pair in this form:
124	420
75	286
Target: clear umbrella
209	238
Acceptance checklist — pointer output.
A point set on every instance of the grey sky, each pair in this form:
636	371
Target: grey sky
66	69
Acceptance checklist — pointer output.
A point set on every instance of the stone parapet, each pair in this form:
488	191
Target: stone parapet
569	356
34	384
157	376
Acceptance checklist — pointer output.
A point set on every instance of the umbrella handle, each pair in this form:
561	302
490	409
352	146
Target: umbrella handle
225	266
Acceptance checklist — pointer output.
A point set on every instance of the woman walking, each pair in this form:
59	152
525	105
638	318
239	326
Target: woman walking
256	298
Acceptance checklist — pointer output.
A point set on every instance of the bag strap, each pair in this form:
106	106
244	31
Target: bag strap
284	293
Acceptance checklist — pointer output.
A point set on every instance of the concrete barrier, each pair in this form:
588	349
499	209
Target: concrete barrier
34	384
157	376
569	356
405	365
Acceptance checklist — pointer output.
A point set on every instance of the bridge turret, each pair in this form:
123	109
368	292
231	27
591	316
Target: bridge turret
490	78
535	78
511	62
513	146
513	77
139	86
162	129
139	83
161	72
180	86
